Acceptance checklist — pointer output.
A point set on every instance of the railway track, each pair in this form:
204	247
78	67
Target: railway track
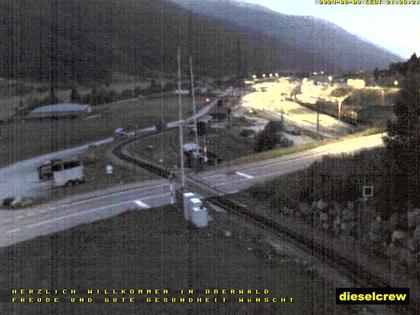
352	270
348	267
119	152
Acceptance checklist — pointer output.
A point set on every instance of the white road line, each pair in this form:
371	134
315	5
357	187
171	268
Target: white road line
113	194
141	204
13	231
67	216
244	175
84	212
215	175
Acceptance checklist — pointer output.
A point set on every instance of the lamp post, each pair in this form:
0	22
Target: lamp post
383	96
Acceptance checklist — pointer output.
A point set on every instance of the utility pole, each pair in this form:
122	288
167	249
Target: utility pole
53	43
317	120
339	109
194	104
181	128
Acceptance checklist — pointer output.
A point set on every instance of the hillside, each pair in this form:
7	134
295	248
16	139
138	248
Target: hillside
88	39
85	40
324	45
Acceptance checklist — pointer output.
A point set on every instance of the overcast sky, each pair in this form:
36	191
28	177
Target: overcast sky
394	27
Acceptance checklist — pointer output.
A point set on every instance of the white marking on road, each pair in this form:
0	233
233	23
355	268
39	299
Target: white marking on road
13	231
66	217
113	194
244	175
82	213
141	204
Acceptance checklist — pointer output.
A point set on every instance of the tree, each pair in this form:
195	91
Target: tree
376	74
269	137
403	141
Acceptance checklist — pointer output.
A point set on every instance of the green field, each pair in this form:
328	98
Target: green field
164	148
156	249
22	140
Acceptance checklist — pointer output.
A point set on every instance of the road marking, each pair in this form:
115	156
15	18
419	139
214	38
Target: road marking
84	212
141	204
66	217
13	231
113	194
244	175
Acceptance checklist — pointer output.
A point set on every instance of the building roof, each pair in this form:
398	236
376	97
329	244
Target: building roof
190	147
206	118
63	107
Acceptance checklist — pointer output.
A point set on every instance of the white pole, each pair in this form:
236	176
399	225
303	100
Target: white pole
194	106
181	124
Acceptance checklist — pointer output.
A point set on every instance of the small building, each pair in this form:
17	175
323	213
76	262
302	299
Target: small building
203	124
356	83
63	110
219	112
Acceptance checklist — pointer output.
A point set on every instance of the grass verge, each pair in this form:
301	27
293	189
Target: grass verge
156	249
25	139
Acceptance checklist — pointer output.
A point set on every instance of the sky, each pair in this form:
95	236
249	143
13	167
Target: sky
394	27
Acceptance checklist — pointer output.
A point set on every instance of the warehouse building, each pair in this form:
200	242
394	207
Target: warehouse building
56	111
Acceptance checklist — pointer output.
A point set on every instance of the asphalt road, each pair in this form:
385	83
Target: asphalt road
21	178
236	178
17	226
20	225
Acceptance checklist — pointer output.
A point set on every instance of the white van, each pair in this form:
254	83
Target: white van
68	173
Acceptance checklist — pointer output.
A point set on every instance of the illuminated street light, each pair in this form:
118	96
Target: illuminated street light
254	76
330	78
270	75
276	74
263	75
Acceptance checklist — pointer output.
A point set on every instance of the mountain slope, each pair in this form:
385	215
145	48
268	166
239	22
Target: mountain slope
87	40
324	43
84	40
